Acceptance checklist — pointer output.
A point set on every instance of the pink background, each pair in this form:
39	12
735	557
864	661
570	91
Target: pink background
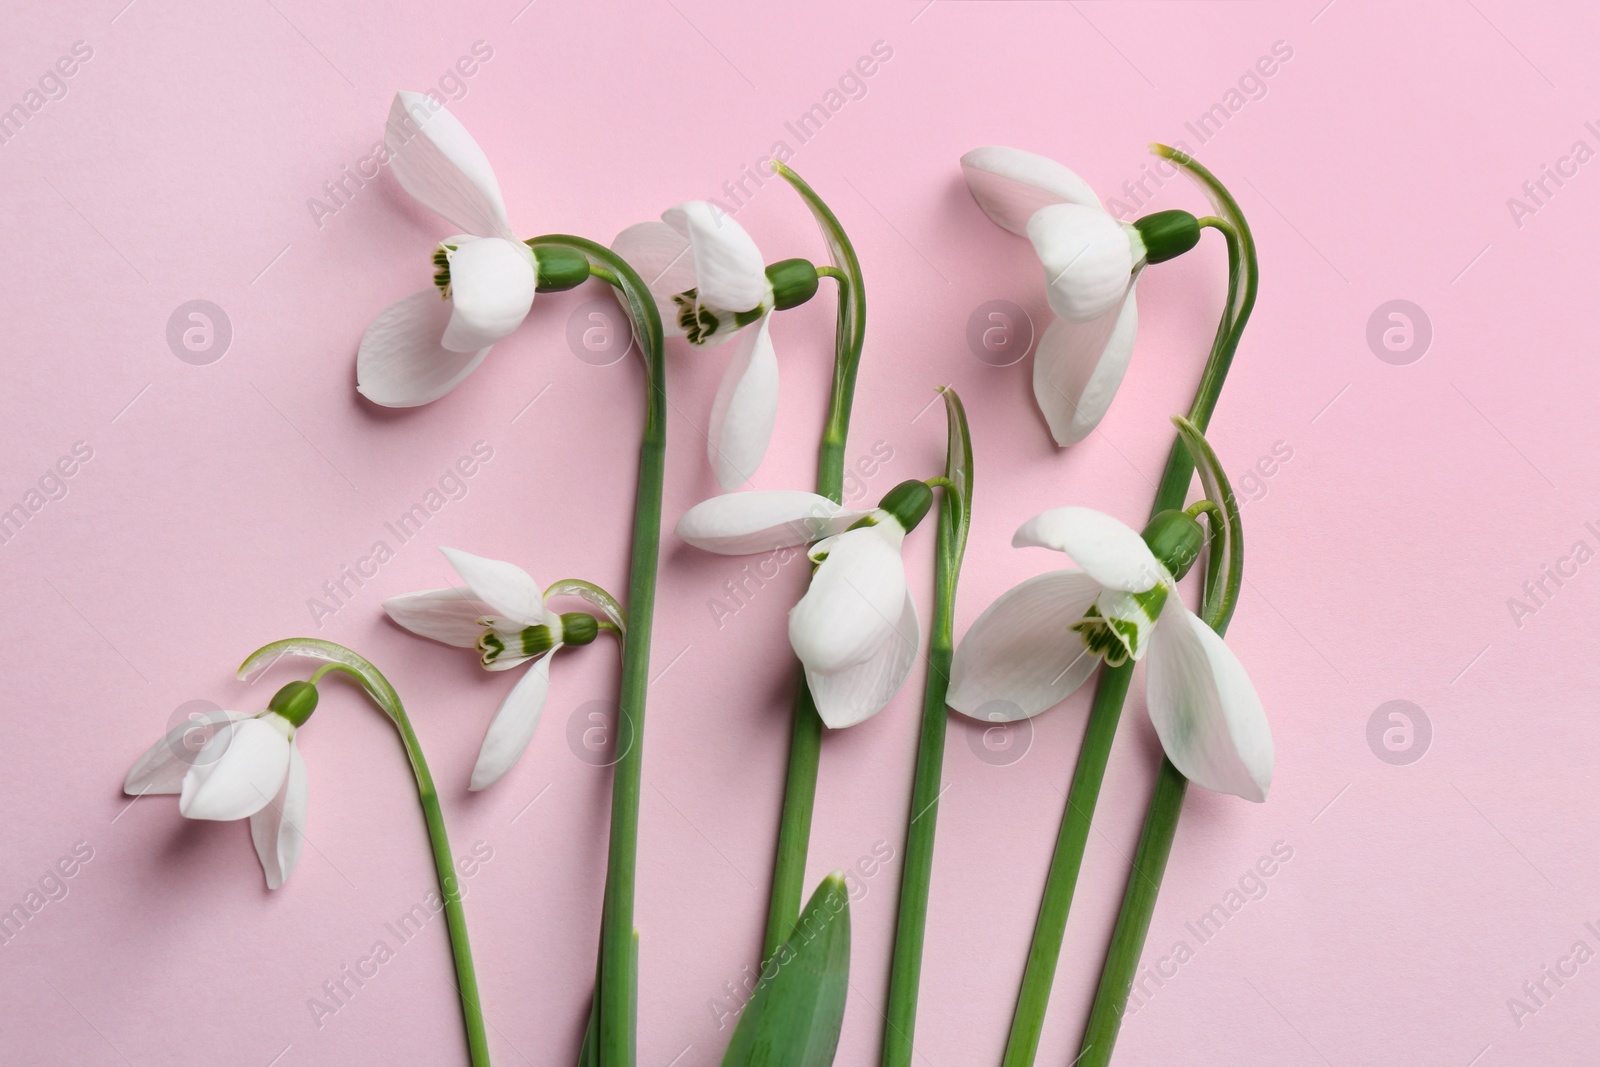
218	499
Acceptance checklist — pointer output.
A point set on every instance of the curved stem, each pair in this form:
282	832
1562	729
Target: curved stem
1044	952
615	997
805	736
1166	801
378	689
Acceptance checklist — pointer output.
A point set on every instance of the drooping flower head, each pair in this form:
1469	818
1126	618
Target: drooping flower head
230	765
1043	639
1091	267
712	286
423	346
855	630
501	613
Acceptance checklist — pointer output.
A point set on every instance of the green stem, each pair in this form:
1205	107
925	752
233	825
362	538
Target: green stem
455	915
377	687
805	735
1027	1023
1044	952
905	972
1166	801
1133	921
615	995
955	518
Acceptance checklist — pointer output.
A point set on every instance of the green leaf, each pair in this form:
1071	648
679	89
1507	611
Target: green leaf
1218	490
794	1016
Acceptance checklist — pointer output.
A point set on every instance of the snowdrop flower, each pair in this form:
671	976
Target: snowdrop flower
1091	265
713	286
1044	638
501	613
238	766
855	630
425	345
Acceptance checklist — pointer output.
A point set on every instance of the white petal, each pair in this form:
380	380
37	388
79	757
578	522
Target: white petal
238	772
847	697
728	269
1088	261
491	289
402	364
1019	658
1010	185
661	256
1205	710
856	597
163	765
436	160
505	587
513	725
1079	366
746	407
742	524
278	830
1107	550
447	615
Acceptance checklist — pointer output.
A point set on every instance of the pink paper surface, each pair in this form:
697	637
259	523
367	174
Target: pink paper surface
1396	508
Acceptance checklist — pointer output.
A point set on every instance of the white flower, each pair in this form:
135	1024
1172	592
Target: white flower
500	612
1044	638
711	284
1091	264
229	765
422	347
855	630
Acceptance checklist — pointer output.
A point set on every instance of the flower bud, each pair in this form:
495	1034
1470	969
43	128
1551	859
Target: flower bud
560	269
908	502
295	702
1167	234
794	281
1175	538
578	628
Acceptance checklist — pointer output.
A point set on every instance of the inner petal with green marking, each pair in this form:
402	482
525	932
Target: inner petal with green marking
1118	625
700	322
503	644
441	268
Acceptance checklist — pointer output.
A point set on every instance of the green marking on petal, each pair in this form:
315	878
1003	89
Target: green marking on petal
1152	600
697	322
441	269
1106	638
1117	627
520	644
